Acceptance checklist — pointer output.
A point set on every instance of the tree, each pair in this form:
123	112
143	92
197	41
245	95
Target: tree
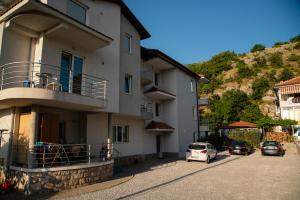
257	47
260	62
286	74
260	87
244	71
295	39
276	59
251	113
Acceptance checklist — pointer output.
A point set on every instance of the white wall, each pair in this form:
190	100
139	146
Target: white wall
130	64
5	123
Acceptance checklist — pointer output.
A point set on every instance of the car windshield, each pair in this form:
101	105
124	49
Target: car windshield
238	143
270	143
197	147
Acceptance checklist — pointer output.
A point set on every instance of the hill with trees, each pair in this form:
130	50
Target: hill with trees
241	85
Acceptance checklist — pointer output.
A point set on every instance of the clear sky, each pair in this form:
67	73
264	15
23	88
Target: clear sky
195	30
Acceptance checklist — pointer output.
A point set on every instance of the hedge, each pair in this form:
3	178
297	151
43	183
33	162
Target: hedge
252	137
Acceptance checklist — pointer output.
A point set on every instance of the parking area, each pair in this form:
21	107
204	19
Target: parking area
229	177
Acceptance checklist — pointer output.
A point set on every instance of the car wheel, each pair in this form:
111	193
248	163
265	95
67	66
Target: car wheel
188	160
208	160
216	156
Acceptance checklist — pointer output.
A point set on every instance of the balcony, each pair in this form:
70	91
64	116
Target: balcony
26	83
290	102
157	93
147	77
146	111
35	19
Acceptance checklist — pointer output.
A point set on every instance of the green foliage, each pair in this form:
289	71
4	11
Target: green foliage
268	123
297	45
260	86
295	39
251	113
244	71
257	47
293	57
278	44
286	74
260	62
271	75
251	137
276	59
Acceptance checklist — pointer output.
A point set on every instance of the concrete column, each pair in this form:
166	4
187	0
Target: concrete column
109	136
33	133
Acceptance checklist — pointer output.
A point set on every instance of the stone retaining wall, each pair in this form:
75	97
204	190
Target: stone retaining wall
41	181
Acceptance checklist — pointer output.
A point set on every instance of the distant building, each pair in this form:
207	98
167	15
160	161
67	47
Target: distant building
288	99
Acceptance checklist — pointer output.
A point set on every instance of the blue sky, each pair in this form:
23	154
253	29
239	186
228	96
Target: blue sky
195	30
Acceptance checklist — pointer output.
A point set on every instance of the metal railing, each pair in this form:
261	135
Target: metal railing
147	110
48	155
41	75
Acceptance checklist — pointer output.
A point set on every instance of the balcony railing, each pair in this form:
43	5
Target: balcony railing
41	75
147	77
45	155
147	111
295	100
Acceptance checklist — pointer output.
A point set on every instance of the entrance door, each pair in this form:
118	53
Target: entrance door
158	143
65	70
49	128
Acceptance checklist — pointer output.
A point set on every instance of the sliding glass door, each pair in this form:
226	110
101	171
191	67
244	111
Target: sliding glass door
71	73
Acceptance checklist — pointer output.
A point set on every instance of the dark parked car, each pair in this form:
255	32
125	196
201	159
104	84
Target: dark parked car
272	148
240	147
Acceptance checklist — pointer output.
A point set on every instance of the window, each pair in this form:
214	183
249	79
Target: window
192	86
157	109
156	79
194	113
120	134
128	84
127	42
76	11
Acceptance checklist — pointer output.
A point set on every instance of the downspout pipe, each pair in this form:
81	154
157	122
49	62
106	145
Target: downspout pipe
198	116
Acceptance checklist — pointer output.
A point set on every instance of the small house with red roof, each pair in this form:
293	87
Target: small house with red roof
240	126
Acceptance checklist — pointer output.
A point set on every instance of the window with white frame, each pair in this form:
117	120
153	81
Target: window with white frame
77	11
120	134
192	85
127	42
194	113
128	84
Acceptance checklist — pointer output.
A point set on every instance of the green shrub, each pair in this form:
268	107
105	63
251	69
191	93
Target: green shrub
252	137
295	39
260	87
258	47
276	60
293	57
272	75
244	71
286	74
278	44
297	45
260	62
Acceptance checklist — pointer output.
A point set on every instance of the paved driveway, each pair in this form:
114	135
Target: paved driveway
230	177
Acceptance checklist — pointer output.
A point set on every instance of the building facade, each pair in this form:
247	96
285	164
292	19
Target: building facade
76	83
288	95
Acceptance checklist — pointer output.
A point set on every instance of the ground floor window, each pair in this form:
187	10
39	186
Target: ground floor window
120	134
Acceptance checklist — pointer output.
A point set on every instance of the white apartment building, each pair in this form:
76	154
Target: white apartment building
75	84
288	93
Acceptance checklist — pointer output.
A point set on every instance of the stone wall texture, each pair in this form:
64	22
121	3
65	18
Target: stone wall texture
42	182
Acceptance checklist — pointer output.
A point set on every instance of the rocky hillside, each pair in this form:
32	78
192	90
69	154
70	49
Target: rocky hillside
254	73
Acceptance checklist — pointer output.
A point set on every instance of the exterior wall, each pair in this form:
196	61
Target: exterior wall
130	64
14	53
288	109
6	117
187	125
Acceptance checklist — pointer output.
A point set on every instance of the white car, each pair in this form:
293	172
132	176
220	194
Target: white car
201	151
297	135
